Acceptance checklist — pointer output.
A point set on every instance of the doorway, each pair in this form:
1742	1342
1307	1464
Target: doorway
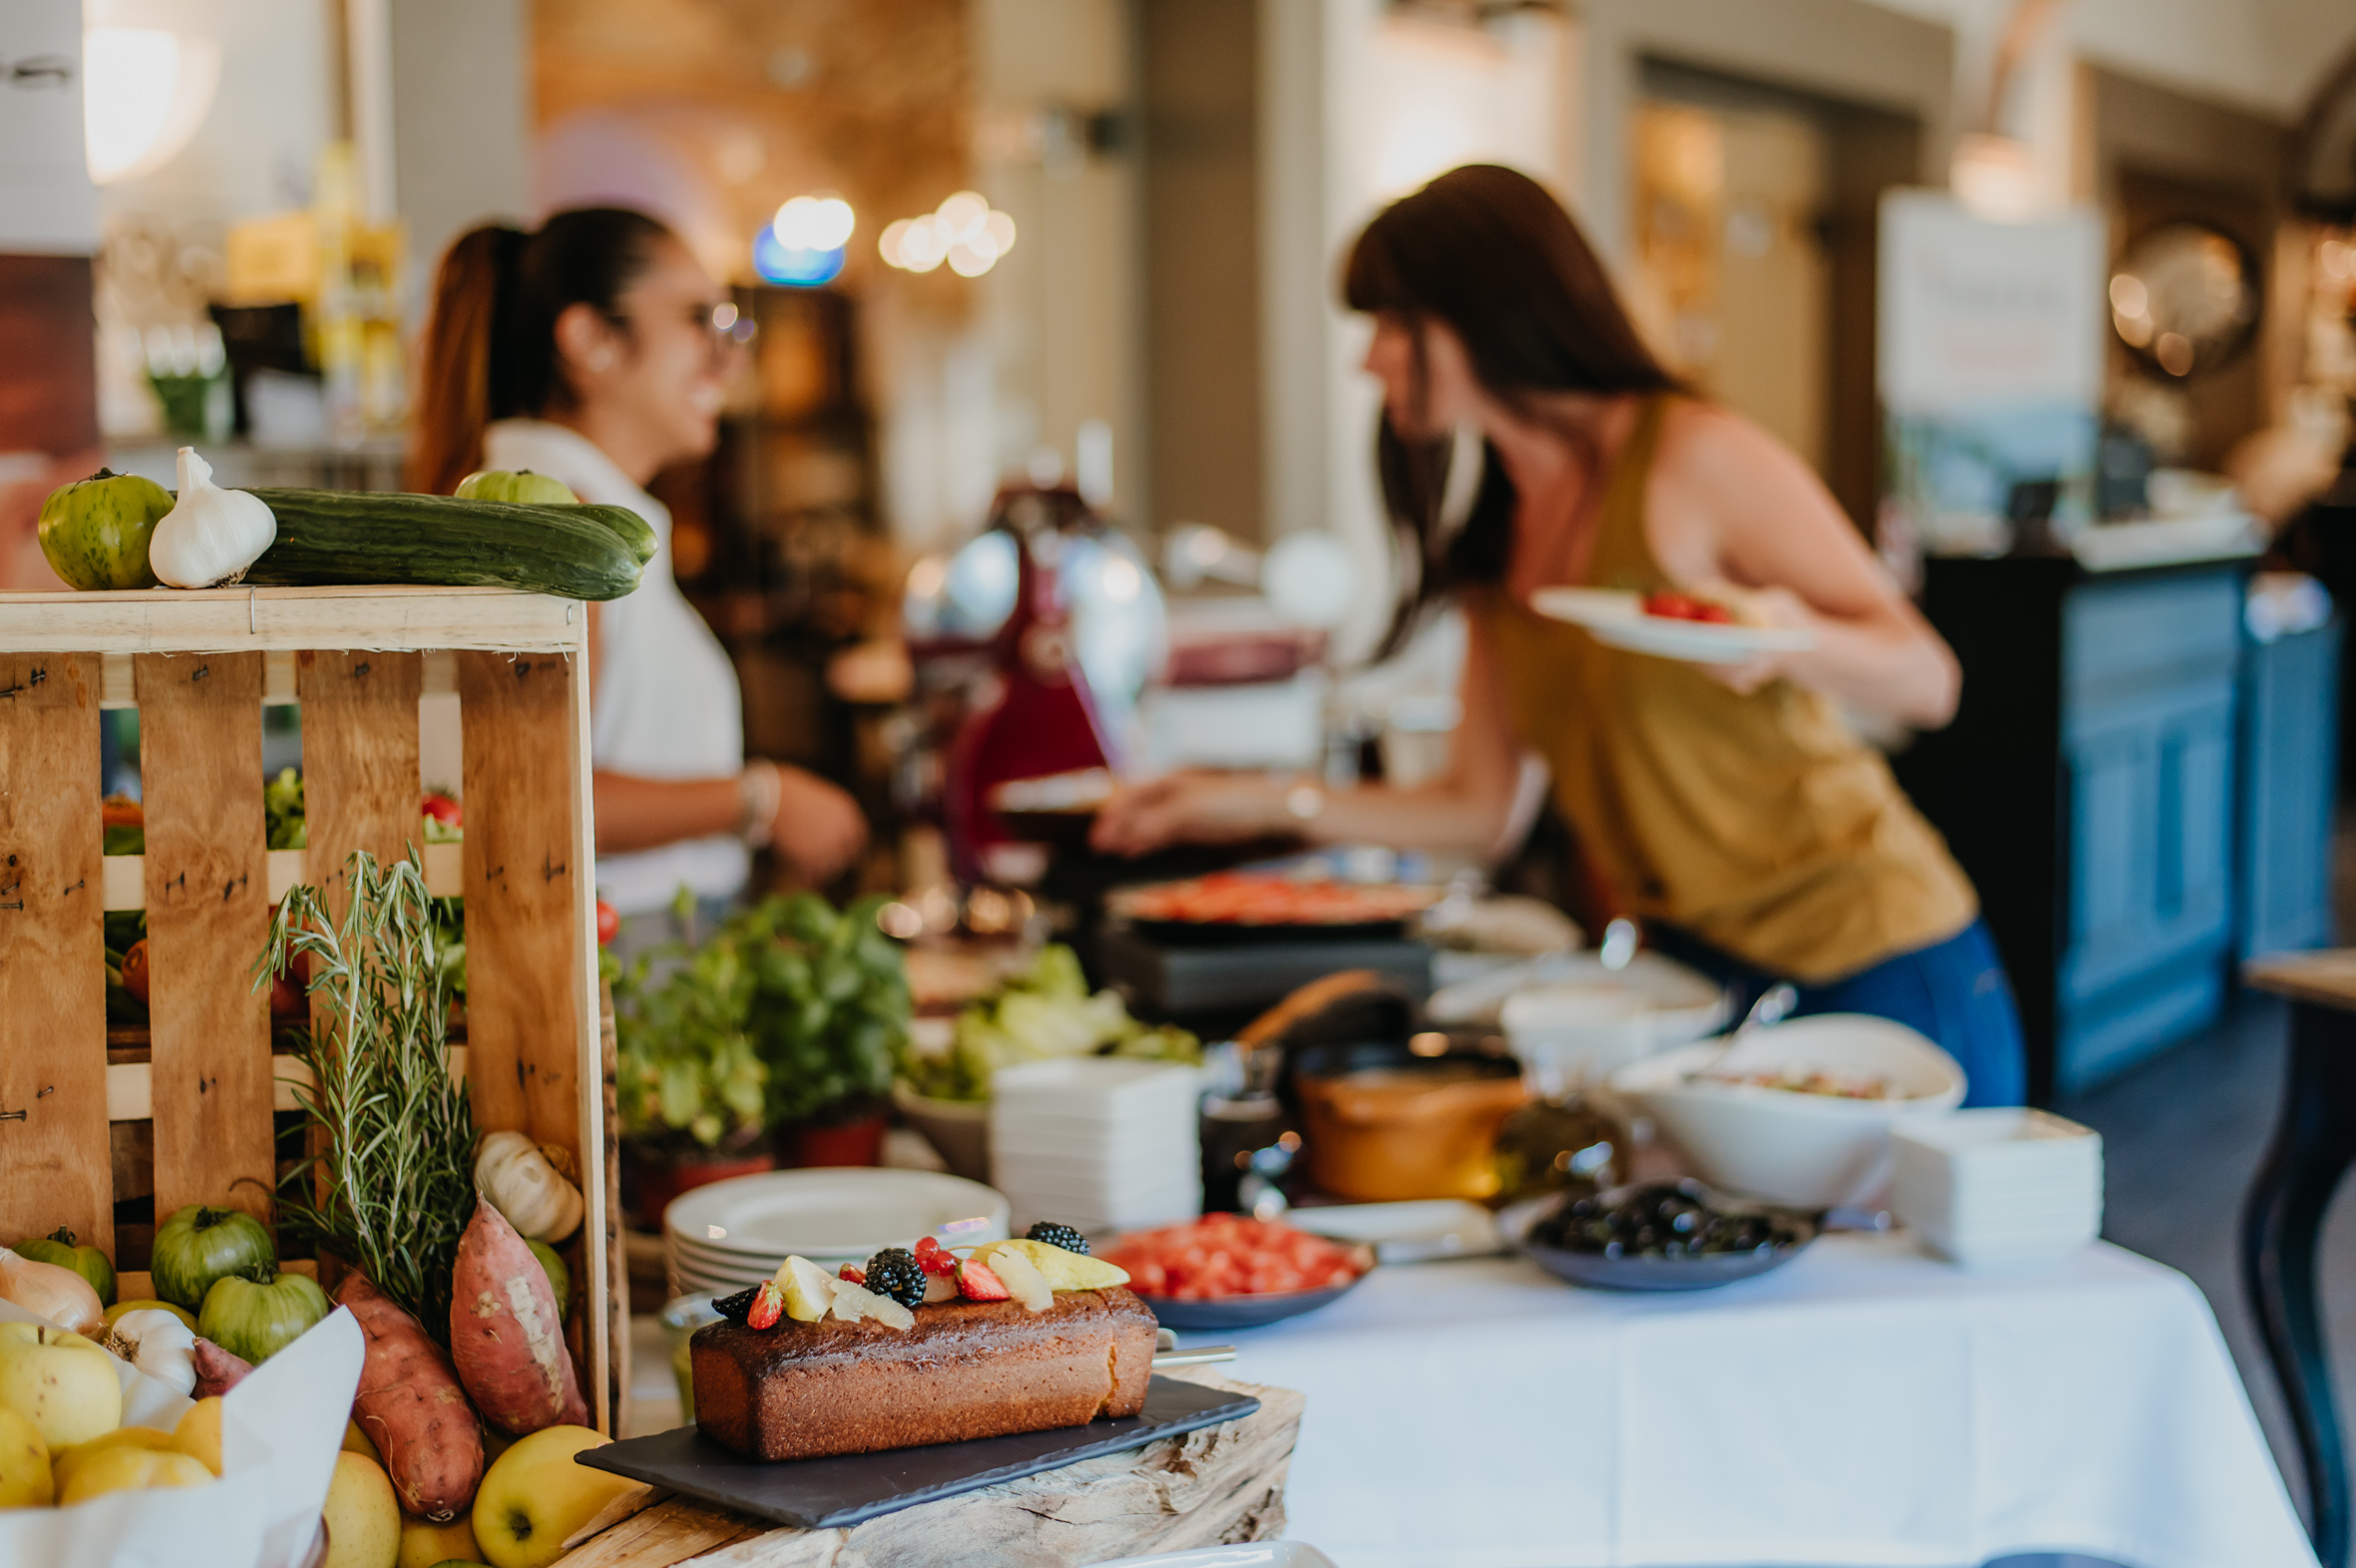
1754	256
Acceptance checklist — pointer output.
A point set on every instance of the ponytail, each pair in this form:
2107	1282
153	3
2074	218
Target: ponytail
490	348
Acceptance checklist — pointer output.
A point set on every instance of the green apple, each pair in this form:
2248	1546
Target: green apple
25	1481
517	487
61	1383
533	1496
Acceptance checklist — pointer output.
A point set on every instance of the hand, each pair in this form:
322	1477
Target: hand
1191	808
818	828
1772	606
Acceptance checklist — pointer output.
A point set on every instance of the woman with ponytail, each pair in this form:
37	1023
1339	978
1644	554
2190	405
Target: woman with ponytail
592	351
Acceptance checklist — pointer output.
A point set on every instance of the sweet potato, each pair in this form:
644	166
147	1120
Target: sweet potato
412	1408
217	1372
506	1333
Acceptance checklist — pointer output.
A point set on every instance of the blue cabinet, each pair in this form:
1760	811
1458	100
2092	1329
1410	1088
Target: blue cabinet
2148	672
2140	794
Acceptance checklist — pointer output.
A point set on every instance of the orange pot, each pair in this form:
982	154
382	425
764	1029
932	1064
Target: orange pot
1423	1129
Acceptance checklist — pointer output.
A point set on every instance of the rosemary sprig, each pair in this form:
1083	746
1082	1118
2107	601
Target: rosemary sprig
389	1185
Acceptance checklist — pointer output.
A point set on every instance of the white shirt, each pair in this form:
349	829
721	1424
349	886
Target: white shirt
665	704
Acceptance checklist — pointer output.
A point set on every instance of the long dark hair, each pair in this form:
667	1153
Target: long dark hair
1489	252
490	345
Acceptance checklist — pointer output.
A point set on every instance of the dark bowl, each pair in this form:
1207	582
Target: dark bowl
1235	933
1243	1312
1657	1274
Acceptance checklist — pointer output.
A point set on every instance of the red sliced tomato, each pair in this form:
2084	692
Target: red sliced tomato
1670	606
444	810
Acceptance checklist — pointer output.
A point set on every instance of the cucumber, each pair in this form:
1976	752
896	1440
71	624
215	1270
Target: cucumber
333	537
633	530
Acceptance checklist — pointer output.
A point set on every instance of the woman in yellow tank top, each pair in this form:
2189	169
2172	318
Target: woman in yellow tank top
1731	808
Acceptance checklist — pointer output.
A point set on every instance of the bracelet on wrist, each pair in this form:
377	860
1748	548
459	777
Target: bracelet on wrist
759	791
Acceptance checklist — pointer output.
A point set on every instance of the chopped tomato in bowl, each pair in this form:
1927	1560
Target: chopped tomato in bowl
1688	606
1230	1271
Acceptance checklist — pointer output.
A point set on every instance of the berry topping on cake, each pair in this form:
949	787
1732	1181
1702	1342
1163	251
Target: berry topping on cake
894	1272
769	1303
736	1303
852	1272
933	1258
977	1283
1055	1235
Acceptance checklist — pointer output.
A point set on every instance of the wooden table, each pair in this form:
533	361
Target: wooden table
1216	1486
2314	1144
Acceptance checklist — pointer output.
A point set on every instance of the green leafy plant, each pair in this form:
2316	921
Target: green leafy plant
390	1186
687	1075
815	997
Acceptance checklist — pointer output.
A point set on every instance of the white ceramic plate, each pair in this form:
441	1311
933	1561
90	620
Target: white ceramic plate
1617	619
1685	1004
838	1213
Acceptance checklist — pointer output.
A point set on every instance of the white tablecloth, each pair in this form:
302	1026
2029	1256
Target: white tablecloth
1866	1405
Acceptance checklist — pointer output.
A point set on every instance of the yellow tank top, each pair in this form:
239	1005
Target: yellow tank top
1760	824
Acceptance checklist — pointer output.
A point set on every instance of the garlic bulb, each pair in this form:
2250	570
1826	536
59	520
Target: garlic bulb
210	534
158	1344
59	1295
523	1185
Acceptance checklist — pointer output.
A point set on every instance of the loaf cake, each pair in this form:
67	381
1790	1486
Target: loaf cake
964	1369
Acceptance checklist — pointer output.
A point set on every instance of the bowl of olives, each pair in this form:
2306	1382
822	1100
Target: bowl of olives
1660	1236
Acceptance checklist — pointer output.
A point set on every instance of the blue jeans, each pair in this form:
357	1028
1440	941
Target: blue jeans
1953	993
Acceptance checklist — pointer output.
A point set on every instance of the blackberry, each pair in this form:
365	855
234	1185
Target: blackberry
894	1273
735	1306
1055	1235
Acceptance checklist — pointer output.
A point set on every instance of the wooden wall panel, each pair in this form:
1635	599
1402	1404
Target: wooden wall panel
359	759
523	1022
208	915
55	1162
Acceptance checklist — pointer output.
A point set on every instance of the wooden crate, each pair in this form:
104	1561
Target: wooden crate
200	666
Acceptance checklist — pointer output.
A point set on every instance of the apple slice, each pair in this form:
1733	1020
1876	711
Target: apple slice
809	1290
1023	1279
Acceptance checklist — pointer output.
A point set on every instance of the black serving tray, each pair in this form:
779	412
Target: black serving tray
854	1487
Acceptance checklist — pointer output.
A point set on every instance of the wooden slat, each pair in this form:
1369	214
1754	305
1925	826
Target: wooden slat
2325	978
522	948
216	620
130	1091
127	883
208	916
56	1166
359	760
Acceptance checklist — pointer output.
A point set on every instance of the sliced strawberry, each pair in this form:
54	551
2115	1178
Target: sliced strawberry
766	1307
852	1272
977	1284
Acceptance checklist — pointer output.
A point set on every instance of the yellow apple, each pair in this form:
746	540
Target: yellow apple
61	1383
533	1496
425	1544
356	1441
129	1469
363	1517
70	1460
25	1481
199	1434
182	1313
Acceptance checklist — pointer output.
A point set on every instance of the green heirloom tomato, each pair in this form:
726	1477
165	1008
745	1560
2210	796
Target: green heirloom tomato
58	1247
201	1245
559	1278
519	487
259	1312
94	530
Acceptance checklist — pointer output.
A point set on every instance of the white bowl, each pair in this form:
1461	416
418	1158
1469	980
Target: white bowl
1807	1150
1684	1004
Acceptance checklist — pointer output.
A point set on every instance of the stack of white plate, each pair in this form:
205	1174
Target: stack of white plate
1998	1185
1098	1143
735	1232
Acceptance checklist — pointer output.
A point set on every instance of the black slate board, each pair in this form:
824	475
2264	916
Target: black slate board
851	1488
